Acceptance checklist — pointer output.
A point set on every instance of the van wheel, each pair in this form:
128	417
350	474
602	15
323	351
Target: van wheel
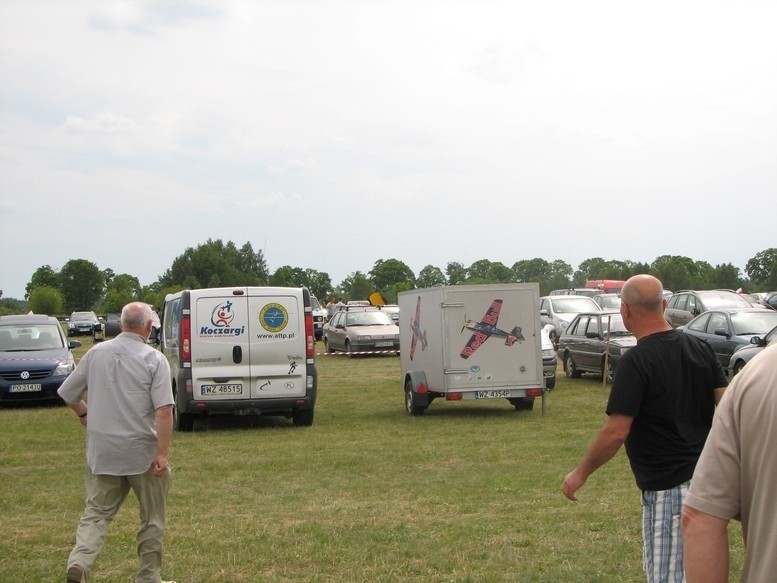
412	409
183	421
302	417
570	368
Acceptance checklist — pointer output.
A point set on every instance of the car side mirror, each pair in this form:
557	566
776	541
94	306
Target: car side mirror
543	312
721	332
73	344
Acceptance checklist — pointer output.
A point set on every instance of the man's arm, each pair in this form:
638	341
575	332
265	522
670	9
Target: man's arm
607	443
705	545
718	394
164	435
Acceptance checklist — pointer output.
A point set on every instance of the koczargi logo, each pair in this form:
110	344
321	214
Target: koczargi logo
273	317
221	319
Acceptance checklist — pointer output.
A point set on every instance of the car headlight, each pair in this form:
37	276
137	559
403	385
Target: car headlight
548	353
563	325
63	369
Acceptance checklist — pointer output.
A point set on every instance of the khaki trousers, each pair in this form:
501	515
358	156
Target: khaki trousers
104	496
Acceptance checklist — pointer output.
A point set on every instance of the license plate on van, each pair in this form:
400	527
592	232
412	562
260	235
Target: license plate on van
492	394
235	389
25	388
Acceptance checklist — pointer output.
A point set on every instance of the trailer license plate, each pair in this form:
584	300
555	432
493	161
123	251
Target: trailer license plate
236	389
492	394
25	388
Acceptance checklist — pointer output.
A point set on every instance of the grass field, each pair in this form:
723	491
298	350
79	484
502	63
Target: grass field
466	493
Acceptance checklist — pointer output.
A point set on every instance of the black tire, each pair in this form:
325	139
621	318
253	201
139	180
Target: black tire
550	382
412	409
302	417
327	348
570	368
738	367
183	421
522	404
349	349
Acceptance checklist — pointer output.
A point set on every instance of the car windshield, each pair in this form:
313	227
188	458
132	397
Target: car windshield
369	319
609	302
574	305
82	317
753	322
616	325
21	338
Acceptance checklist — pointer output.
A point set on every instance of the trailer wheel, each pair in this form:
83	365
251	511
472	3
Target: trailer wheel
522	404
550	382
411	409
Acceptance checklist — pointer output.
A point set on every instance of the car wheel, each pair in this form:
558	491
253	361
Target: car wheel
349	349
327	348
302	417
550	382
738	367
570	368
412	409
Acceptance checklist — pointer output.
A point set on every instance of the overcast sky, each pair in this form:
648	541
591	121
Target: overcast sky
331	134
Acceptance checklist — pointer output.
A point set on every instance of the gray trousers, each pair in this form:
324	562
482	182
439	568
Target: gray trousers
104	496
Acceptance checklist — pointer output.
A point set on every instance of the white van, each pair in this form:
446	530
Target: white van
240	351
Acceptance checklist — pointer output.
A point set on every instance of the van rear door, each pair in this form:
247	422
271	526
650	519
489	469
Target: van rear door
277	343
249	344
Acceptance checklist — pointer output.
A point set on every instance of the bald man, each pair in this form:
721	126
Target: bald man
661	404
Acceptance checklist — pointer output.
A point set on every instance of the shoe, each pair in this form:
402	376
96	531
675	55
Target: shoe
76	574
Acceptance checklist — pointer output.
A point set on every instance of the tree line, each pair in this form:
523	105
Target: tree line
81	285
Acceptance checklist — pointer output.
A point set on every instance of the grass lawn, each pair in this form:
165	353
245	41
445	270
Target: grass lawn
466	493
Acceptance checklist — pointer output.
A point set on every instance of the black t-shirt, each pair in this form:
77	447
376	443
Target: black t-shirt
666	383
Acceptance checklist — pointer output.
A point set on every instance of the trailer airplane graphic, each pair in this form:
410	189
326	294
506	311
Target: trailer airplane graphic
486	328
416	329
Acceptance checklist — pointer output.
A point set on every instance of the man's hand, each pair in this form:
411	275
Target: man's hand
573	481
159	467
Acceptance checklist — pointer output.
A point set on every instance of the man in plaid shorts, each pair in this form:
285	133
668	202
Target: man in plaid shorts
661	404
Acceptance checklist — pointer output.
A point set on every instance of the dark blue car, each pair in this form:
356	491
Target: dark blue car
35	359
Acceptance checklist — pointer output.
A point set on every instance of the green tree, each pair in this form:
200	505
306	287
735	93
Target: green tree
762	269
430	276
386	273
478	271
319	283
46	300
288	276
9	306
456	273
678	272
726	276
215	264
82	284
44	276
356	287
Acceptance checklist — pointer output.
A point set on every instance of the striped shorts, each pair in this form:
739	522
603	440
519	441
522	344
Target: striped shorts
663	546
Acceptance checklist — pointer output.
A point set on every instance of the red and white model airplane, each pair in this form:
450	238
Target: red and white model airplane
486	328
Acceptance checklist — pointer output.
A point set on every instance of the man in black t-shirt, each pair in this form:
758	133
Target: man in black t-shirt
661	404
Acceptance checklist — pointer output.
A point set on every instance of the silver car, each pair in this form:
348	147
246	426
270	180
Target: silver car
560	310
356	329
744	354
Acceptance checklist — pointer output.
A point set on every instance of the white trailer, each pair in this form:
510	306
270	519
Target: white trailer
471	342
